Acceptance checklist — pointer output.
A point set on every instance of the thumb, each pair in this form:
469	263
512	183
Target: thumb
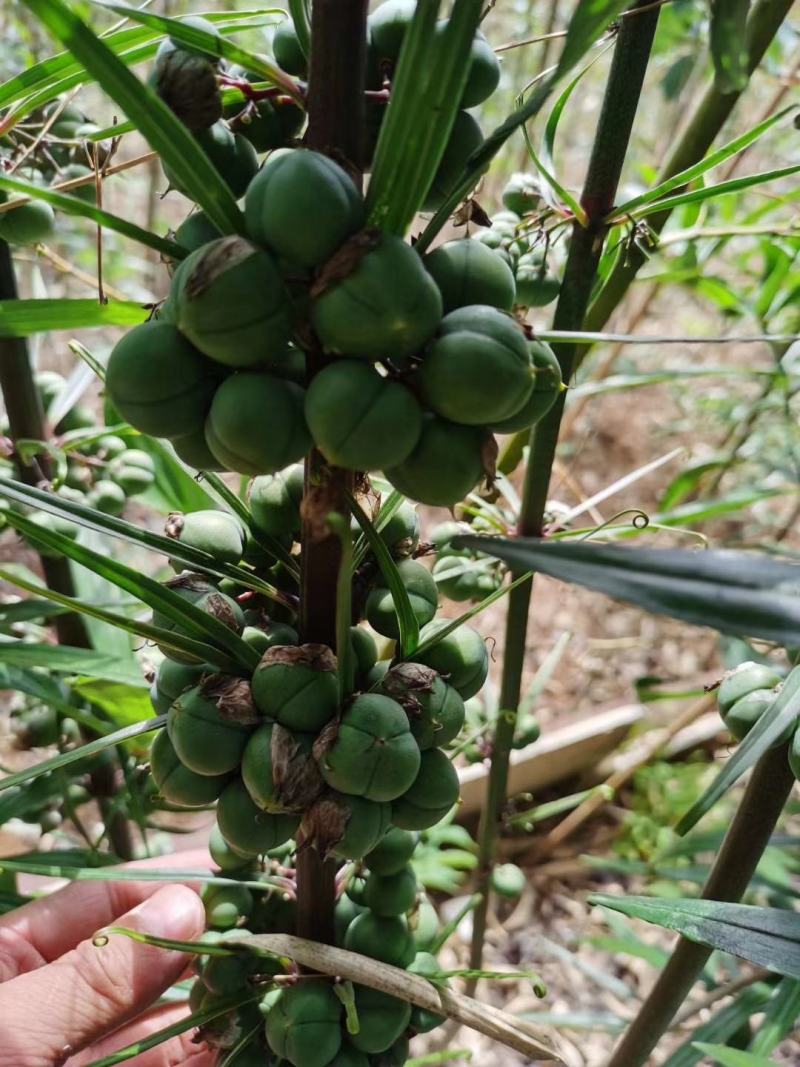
92	990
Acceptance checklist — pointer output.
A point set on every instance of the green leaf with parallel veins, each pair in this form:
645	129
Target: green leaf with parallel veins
731	1057
123	703
164	132
23	318
769	937
65	660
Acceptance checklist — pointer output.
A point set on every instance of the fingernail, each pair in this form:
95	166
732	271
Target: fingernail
174	911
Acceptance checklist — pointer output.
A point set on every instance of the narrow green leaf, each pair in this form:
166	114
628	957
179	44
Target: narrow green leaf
722	1025
731	1057
728	43
780	1017
590	21
710	192
22	318
121	702
769	937
25	864
768	730
300	11
734	592
154	120
92	748
685	483
65	660
73	205
407	620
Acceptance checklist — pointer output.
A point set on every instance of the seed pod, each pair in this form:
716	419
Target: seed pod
204	728
392	853
297	686
304	1025
232	304
302	206
27	224
375	300
391	894
461	658
217	532
173	678
195	231
465	138
381	1019
159	382
387	27
387	940
401	533
108	497
256	424
468	272
435	710
226	905
521	194
369	752
359	419
434	792
534	286
231	154
422	1021
176	783
202	594
742	681
345	826
446	465
287	51
508	880
547	387
188	85
278	770
194	451
422	594
246	828
269	124
225	857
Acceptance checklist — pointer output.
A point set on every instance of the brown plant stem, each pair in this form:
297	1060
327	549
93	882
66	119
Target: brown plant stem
26	422
631	56
335	127
766	794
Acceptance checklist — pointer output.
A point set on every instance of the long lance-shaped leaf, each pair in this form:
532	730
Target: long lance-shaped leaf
62	659
187	646
709	162
22	318
407	620
191	619
165	133
733	1057
734	592
769	937
192	558
591	19
73	205
710	192
92	748
195	37
767	732
301	18
780	1017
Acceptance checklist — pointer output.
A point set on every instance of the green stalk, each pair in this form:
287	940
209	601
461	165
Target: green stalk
336	127
698	135
26	422
766	794
631	56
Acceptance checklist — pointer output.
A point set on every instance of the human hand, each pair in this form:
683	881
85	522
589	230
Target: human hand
64	1001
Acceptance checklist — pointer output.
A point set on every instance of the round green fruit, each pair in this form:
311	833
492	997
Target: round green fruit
425	924
433	794
483	72
225	976
372	753
422	1021
387	27
479	370
392	894
395	1056
27	224
276	633
469	272
195	231
366	824
446	465
465	138
435	710
173	678
364	649
287	50
247	829
422	595
275	502
742	681
225	857
107	497
193	450
296	685
218	533
346	910
359	419
176	783
384	939
508	880
461	658
204	596
231	303
350	1057
547	386
187	83
387	307
256	424
73	171
521	194
304	1025
393	852
401	533
159	382
534	286
231	154
381	1018
226	905
302	206
277	767
130	479
206	740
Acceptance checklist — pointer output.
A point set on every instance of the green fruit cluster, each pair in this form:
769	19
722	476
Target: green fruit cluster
461	574
745	693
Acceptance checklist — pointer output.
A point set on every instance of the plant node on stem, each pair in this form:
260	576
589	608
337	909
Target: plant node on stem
335	127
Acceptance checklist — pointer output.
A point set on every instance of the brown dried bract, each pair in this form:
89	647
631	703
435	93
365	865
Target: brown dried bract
324	824
315	657
188	86
489	454
403	682
345	260
232	696
195	583
217	257
219	607
326	739
174	525
295	773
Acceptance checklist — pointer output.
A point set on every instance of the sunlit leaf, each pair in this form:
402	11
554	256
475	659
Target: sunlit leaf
22	318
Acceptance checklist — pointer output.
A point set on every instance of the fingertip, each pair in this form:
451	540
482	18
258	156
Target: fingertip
175	912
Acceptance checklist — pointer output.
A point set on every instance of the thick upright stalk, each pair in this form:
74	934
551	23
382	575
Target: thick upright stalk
26	422
766	794
699	133
335	126
631	56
